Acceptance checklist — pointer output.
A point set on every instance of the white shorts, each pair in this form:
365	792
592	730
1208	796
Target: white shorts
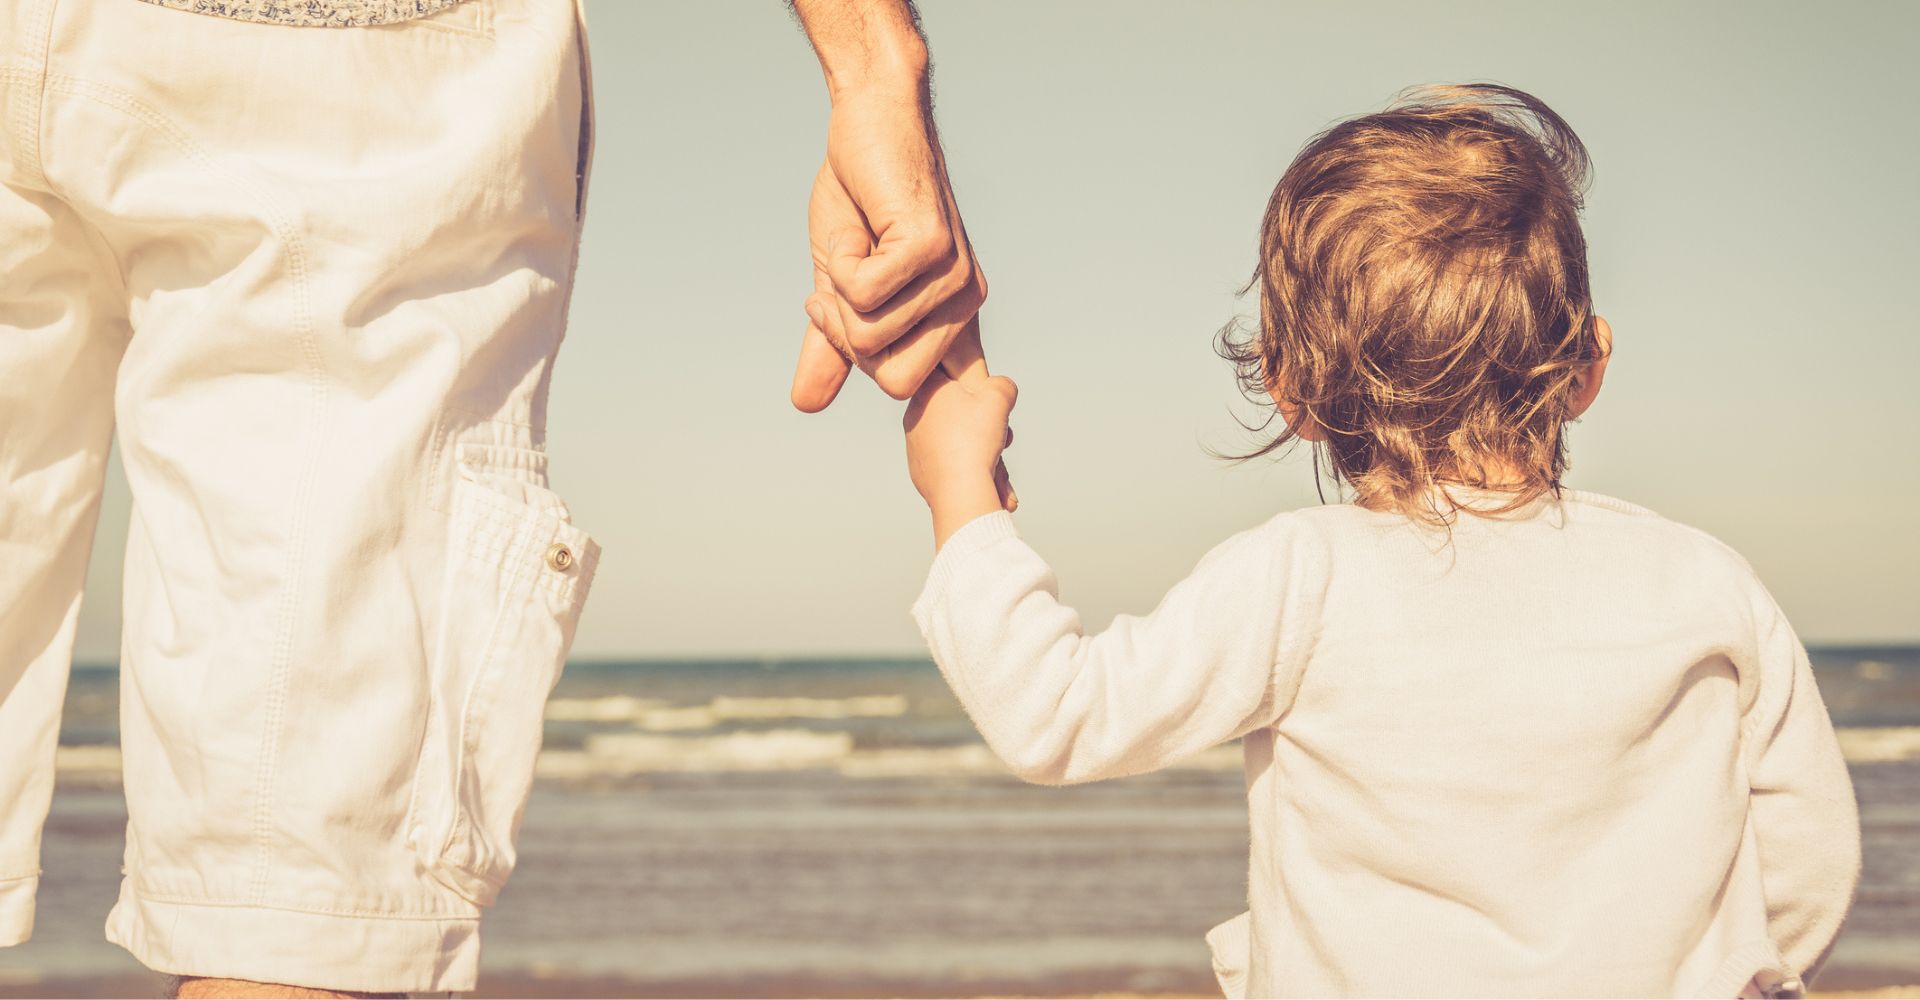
318	277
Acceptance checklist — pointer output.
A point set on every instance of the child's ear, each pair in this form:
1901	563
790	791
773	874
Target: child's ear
1586	385
1303	426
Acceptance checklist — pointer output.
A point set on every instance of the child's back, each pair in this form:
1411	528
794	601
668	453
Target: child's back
1523	765
1502	739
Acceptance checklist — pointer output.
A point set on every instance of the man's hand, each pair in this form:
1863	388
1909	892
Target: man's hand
955	434
895	280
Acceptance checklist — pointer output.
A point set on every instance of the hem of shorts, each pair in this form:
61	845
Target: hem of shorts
358	953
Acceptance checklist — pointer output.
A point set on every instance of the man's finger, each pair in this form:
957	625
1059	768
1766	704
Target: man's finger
848	244
821	310
869	273
901	369
871	330
965	360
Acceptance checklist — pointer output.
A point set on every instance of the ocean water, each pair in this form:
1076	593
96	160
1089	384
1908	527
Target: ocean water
796	827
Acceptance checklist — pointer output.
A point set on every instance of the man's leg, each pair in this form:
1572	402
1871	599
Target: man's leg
188	988
61	334
348	253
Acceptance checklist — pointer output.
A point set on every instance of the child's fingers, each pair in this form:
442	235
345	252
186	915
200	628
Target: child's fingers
1002	482
1003	387
918	403
964	361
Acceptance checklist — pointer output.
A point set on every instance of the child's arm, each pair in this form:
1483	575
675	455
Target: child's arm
1804	816
1218	658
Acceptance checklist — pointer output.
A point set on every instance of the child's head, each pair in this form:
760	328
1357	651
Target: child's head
1424	310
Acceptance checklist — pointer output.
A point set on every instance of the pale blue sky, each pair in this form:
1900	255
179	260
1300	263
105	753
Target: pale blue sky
1755	230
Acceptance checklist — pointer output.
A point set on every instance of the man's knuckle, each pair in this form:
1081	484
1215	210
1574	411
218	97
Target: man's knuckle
934	242
873	339
864	295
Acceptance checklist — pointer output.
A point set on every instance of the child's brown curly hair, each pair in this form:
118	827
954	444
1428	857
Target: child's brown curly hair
1423	298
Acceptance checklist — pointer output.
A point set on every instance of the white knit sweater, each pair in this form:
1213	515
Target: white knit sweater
1572	750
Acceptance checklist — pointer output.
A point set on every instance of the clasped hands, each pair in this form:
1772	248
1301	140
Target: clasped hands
896	287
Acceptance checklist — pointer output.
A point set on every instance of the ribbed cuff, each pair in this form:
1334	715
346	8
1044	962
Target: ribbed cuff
973	536
1231	946
16	909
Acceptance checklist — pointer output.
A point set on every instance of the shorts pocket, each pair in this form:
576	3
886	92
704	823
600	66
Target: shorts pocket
516	579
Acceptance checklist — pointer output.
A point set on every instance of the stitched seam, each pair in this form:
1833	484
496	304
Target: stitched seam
30	113
518	533
446	437
29	874
43	32
505	603
583	174
295	251
482	27
92	232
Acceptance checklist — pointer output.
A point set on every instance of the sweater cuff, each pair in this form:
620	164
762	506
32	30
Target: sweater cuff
973	536
16	909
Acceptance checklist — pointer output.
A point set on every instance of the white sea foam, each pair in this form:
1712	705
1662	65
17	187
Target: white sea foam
626	754
974	759
659	716
1873	670
91	765
1880	744
619	755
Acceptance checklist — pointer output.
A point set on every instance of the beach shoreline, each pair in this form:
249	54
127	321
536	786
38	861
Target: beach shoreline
838	830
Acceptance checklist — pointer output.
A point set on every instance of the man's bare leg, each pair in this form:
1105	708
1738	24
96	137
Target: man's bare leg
191	986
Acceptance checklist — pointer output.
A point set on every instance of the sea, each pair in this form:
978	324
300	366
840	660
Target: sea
829	827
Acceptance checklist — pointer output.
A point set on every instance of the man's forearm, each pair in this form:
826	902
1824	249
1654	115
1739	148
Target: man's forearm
866	44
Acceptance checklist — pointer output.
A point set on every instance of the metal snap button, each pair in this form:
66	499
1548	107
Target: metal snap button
559	557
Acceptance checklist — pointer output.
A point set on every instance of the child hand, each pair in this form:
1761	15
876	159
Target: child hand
955	434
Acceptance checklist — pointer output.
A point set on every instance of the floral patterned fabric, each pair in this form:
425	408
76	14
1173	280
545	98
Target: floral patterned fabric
313	13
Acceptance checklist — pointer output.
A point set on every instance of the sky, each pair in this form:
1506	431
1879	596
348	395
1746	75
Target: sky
1754	231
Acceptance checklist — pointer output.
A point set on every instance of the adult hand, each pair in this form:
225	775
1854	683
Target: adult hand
895	280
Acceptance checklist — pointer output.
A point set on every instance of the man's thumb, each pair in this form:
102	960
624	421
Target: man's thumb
847	248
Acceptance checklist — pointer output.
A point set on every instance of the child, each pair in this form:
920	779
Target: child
1502	738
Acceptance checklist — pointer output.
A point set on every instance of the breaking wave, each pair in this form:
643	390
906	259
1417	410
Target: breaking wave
629	754
661	716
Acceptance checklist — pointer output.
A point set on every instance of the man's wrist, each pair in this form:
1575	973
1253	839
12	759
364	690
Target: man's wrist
894	66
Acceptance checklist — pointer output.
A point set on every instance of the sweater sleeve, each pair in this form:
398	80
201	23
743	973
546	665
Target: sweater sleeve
1219	657
1805	819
